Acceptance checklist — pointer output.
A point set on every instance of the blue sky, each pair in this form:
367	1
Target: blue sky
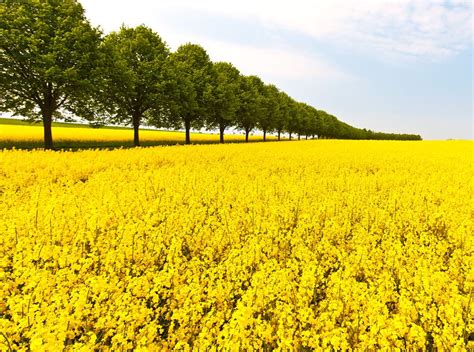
395	65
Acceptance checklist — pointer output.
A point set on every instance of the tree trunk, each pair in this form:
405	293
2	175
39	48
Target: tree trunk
48	134
299	136
247	131
290	135
306	137
221	132
136	125
279	134
47	110
187	125
264	135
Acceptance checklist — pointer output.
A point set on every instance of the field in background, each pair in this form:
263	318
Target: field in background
20	134
318	245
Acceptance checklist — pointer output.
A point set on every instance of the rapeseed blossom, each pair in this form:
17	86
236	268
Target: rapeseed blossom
14	134
314	245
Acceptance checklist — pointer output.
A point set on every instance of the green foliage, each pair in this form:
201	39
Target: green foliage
271	109
49	60
282	116
53	63
224	97
136	77
293	117
190	94
251	103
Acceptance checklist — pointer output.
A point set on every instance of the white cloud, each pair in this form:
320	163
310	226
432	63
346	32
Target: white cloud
273	63
428	29
422	28
269	63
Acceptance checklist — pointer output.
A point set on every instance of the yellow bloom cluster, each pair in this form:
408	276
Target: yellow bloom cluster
20	133
317	245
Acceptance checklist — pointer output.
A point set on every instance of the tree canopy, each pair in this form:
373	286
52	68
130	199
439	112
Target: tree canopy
49	60
251	103
53	62
194	77
136	76
224	101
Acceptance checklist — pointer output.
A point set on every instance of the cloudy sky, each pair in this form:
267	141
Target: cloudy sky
394	65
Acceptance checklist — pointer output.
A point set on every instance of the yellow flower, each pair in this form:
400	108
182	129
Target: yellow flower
361	245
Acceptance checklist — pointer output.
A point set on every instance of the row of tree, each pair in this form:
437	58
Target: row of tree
53	62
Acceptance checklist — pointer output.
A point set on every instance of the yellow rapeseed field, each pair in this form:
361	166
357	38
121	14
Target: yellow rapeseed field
34	134
317	245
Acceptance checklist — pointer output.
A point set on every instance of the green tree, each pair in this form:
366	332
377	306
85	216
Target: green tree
136	77
194	79
302	120
325	127
332	126
271	109
224	102
49	60
283	114
293	117
251	107
314	123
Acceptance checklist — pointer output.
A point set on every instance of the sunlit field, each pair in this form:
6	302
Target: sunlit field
24	136
310	245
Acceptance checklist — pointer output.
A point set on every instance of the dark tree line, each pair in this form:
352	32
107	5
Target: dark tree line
52	61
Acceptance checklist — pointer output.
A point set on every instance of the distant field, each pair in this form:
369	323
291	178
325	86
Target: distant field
8	121
21	134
